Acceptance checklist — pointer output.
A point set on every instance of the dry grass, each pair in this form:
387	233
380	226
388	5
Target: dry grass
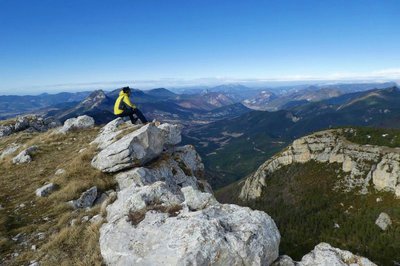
77	245
7	122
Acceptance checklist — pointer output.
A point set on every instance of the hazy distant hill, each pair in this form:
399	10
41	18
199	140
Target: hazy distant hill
287	97
11	105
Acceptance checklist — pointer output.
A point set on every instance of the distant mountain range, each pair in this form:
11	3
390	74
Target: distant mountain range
12	105
233	148
188	100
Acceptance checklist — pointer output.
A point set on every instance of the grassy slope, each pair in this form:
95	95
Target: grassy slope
63	244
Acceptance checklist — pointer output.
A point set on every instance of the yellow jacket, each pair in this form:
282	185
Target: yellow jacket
123	102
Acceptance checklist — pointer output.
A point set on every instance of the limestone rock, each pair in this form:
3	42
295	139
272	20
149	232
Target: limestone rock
172	133
86	199
326	255
387	172
176	169
397	191
25	155
197	200
79	122
134	149
217	235
45	190
108	133
383	221
6	131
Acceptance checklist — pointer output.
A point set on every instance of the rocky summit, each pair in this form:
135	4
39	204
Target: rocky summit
364	165
165	215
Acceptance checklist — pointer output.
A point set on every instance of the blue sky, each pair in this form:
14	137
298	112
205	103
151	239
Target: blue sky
48	44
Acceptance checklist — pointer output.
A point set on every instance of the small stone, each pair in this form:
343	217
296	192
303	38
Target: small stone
60	171
397	191
22	205
45	190
96	219
383	221
33	247
41	236
34	263
378	199
82	150
336	225
85	219
73	222
17	237
25	155
86	199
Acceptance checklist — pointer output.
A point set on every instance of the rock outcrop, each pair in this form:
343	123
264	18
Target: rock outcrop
25	156
326	255
30	123
79	122
135	148
165	215
360	163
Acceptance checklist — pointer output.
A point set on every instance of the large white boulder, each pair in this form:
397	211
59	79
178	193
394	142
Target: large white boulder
134	149
217	235
79	122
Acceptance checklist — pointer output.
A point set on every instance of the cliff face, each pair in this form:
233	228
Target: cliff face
363	165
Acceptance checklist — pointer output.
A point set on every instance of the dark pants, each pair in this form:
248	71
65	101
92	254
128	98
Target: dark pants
131	112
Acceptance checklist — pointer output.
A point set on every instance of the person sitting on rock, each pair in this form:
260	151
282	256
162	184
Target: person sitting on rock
124	107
